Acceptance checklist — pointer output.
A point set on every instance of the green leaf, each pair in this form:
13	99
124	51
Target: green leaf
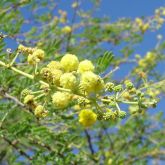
104	61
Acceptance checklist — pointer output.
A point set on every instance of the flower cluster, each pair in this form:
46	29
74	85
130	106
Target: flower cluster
35	55
146	62
141	24
72	83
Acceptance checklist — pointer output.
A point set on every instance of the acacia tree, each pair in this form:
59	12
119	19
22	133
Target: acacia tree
60	101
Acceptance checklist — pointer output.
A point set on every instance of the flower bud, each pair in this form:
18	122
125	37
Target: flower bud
29	99
122	114
40	111
128	84
118	88
109	86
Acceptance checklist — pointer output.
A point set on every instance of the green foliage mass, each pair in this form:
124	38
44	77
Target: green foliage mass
59	138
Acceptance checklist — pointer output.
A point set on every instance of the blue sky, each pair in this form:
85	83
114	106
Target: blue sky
116	9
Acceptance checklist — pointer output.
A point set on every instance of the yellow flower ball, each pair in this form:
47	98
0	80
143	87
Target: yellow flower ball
163	12
139	22
85	66
39	53
68	81
66	29
40	111
32	60
69	62
145	27
142	63
46	73
54	65
150	56
87	117
56	75
61	99
91	82
28	99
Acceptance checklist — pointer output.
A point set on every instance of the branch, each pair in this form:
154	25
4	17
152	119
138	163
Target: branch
89	142
13	144
72	23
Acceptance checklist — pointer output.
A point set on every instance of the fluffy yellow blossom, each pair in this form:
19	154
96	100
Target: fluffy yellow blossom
77	107
66	29
56	74
52	76
68	81
28	99
54	65
74	4
160	20
46	73
145	27
40	111
35	57
163	12
85	66
139	21
61	99
32	60
148	59
69	62
39	53
91	82
87	117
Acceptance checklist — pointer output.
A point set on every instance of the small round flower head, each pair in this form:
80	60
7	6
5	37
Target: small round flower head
85	66
46	73
91	82
68	81
56	74
150	56
139	22
54	65
61	99
128	84
39	53
69	62
126	95
32	60
21	48
28	99
145	27
40	111
66	29
87	117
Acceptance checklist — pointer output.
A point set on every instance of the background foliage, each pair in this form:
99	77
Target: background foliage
59	138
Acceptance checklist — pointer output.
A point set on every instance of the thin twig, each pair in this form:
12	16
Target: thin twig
112	71
89	142
72	23
13	144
